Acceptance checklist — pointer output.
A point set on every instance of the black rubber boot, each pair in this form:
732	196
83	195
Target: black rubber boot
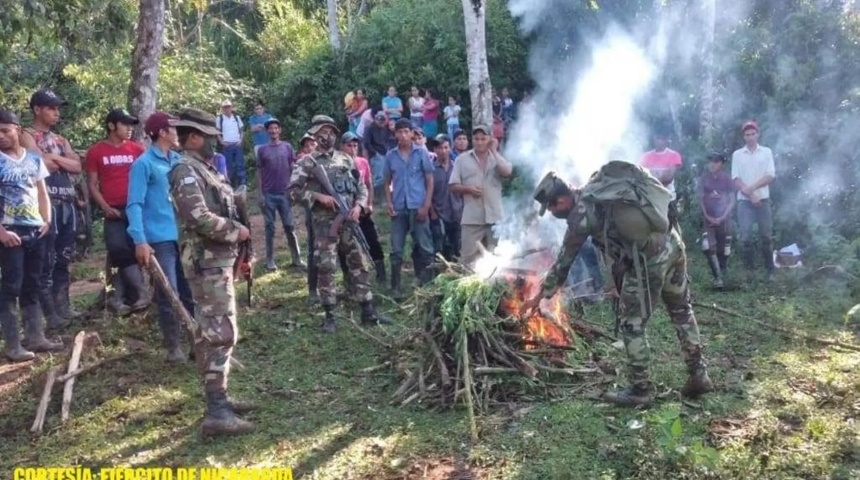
714	263
34	332
63	304
699	383
12	348
370	317
396	293
171	343
329	325
116	298
52	318
381	277
221	420
133	277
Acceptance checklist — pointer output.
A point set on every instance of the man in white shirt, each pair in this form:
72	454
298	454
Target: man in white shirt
231	138
752	172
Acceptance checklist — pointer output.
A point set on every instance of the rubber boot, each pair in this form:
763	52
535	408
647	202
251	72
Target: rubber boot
295	253
633	396
133	277
381	278
699	383
116	299
221	420
396	293
370	317
171	343
12	348
714	263
63	304
34	332
313	298
329	325
52	319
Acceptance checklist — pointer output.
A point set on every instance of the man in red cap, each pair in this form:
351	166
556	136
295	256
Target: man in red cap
149	198
752	172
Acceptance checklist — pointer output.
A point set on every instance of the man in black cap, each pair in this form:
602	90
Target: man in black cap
63	162
210	232
345	181
108	163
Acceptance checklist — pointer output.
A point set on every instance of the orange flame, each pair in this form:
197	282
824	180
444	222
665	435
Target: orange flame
538	330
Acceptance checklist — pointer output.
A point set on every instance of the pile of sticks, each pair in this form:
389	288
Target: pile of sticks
66	377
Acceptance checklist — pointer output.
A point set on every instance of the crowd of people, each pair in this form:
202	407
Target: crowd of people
181	211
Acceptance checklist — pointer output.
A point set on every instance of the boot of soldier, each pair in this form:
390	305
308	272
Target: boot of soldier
116	298
329	325
53	320
699	383
715	271
133	277
370	317
34	332
221	420
381	278
396	293
12	341
637	395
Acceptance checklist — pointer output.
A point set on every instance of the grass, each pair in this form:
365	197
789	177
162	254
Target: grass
785	408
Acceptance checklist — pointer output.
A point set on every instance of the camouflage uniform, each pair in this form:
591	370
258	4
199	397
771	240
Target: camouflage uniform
662	272
344	178
206	209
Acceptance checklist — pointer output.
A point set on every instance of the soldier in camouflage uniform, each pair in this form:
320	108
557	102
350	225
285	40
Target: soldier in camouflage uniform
344	178
210	233
664	275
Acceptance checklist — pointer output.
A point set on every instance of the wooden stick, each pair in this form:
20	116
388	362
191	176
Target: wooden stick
74	363
39	422
784	331
443	370
86	368
368	334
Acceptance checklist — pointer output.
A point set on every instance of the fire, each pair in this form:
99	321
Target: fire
538	330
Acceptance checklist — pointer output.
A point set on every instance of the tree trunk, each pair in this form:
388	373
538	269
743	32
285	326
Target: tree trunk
480	91
142	91
333	33
707	94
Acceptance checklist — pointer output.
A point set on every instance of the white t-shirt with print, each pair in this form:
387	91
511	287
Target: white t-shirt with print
19	196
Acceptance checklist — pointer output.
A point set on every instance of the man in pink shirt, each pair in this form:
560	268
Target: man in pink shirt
350	144
662	162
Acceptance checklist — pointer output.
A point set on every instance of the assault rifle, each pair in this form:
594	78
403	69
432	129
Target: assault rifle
246	248
321	177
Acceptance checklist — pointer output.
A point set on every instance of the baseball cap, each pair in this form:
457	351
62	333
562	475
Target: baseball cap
380	115
9	118
749	124
442	138
349	137
483	129
203	122
159	121
319	121
459	132
227	103
549	188
716	157
121	115
46	98
307	136
271	121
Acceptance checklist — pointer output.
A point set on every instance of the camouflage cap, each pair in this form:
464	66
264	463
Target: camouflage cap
320	121
549	189
203	122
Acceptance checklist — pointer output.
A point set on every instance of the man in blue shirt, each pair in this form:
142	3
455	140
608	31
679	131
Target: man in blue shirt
408	195
257	121
149	197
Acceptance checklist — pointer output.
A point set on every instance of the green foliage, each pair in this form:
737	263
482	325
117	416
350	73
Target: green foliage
669	432
469	303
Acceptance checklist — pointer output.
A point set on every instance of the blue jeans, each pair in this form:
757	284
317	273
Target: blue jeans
750	215
404	222
235	164
452	127
20	268
167	254
274	205
59	247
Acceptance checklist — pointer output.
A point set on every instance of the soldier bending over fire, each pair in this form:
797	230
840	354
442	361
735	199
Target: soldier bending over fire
655	266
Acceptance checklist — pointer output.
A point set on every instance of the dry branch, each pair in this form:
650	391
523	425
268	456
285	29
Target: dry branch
784	331
42	410
74	363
